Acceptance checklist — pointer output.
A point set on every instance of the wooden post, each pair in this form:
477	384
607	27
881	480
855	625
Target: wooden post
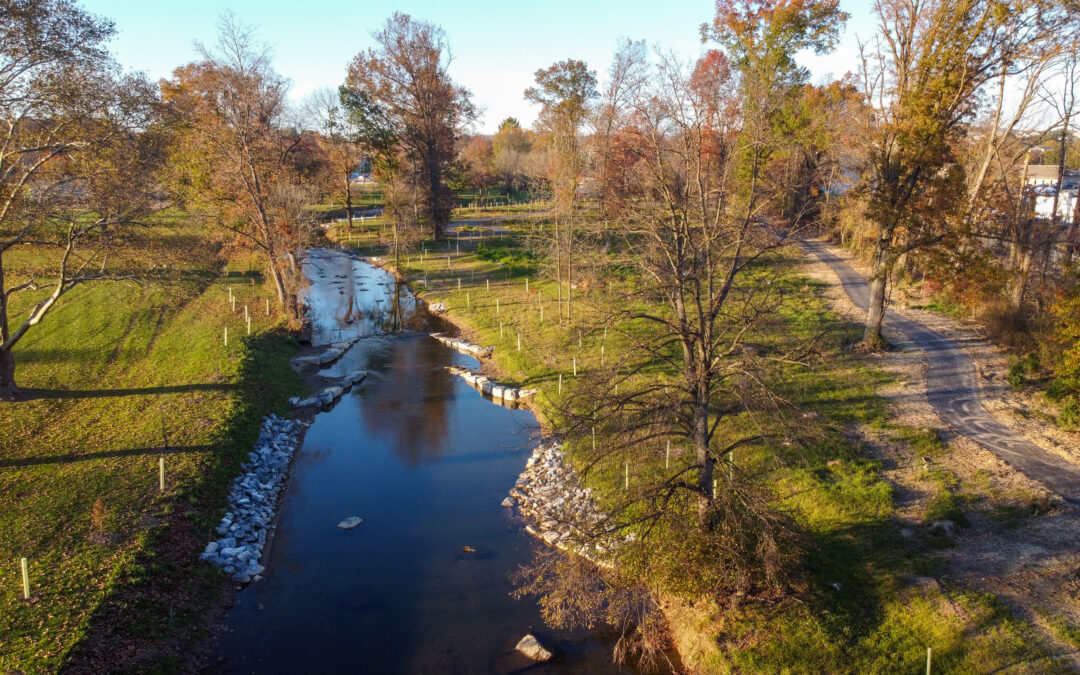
579	339
459	284
626	476
519	341
541	314
232	299
560	383
226	336
929	655
526	284
161	474
601	354
667	456
575	366
268	307
488	282
249	325
468	301
25	579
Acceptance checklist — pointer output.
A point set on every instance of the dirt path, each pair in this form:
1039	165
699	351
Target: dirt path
1031	563
953	391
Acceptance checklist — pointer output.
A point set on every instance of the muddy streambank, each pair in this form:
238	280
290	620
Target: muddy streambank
423	583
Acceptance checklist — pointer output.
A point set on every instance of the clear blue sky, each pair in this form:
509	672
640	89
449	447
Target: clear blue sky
497	46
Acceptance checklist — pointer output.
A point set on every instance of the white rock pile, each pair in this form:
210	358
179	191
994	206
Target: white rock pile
327	396
253	499
329	355
490	387
464	346
555	506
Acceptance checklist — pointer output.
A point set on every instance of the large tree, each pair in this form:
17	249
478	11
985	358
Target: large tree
688	233
406	106
79	148
234	160
924	79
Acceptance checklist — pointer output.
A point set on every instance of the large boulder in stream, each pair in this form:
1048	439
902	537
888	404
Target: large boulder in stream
530	648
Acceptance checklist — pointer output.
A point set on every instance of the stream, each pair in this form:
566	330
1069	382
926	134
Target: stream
425	461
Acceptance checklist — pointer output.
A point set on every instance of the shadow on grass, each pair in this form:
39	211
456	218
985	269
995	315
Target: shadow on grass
31	394
106	454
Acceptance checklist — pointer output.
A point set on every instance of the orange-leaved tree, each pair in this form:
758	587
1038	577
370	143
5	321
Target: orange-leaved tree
234	160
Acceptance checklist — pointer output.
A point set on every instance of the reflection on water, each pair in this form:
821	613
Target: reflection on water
425	461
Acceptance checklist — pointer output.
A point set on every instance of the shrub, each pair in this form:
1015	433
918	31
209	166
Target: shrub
1016	376
1070	413
1060	387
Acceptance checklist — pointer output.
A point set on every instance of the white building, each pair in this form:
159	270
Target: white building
1039	175
1044	205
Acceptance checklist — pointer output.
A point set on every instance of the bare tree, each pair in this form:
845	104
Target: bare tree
688	227
325	113
79	148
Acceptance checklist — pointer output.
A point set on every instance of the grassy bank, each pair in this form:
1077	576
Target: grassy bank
121	375
868	598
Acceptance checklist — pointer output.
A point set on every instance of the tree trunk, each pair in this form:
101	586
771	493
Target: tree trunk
705	461
558	262
879	275
279	285
7	374
1021	269
348	199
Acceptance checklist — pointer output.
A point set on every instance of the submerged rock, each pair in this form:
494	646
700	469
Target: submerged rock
350	522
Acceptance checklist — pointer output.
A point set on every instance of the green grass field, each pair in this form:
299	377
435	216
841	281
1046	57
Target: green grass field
866	601
122	375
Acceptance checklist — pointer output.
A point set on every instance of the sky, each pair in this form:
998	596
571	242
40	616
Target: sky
496	46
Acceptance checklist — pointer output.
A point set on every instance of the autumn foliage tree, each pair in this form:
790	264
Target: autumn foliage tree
478	164
234	161
510	147
408	110
923	81
80	145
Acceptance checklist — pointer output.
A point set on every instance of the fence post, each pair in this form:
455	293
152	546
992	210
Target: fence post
25	579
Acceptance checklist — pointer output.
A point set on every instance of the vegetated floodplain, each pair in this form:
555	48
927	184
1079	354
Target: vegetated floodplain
864	600
121	375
